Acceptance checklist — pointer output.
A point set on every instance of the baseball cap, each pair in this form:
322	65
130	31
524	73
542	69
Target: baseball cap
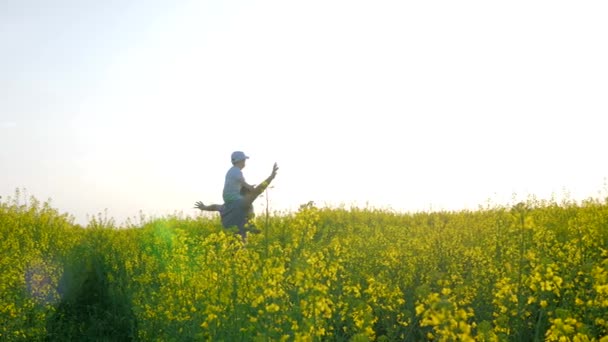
237	156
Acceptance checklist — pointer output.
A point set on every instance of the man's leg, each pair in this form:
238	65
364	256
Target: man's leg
233	215
249	224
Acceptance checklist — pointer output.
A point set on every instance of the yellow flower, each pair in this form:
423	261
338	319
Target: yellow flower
419	309
272	307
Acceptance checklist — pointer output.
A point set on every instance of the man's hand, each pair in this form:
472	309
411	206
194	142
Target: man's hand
199	205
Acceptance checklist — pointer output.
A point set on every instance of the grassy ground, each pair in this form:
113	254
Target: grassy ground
536	271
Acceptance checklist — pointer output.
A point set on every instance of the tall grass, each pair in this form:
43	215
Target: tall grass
536	271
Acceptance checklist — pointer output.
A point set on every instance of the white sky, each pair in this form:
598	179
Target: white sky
405	105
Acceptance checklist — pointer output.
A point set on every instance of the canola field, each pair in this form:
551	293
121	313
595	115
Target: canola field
532	272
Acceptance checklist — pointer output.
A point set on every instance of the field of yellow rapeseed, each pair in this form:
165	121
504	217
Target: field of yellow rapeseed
535	271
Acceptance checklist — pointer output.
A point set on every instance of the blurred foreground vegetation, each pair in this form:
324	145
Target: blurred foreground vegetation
535	271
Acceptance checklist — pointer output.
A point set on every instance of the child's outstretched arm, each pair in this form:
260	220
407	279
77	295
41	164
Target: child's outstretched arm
257	190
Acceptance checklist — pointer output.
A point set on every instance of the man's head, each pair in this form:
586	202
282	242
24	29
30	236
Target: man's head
238	159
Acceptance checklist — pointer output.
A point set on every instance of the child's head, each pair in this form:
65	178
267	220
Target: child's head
238	159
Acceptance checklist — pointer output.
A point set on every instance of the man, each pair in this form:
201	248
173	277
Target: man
220	207
238	195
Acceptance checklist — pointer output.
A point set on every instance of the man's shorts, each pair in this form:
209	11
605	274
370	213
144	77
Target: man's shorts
234	214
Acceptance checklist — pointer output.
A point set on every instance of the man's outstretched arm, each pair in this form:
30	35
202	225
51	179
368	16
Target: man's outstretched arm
210	207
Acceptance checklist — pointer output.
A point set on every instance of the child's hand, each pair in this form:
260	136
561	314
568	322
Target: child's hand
275	168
